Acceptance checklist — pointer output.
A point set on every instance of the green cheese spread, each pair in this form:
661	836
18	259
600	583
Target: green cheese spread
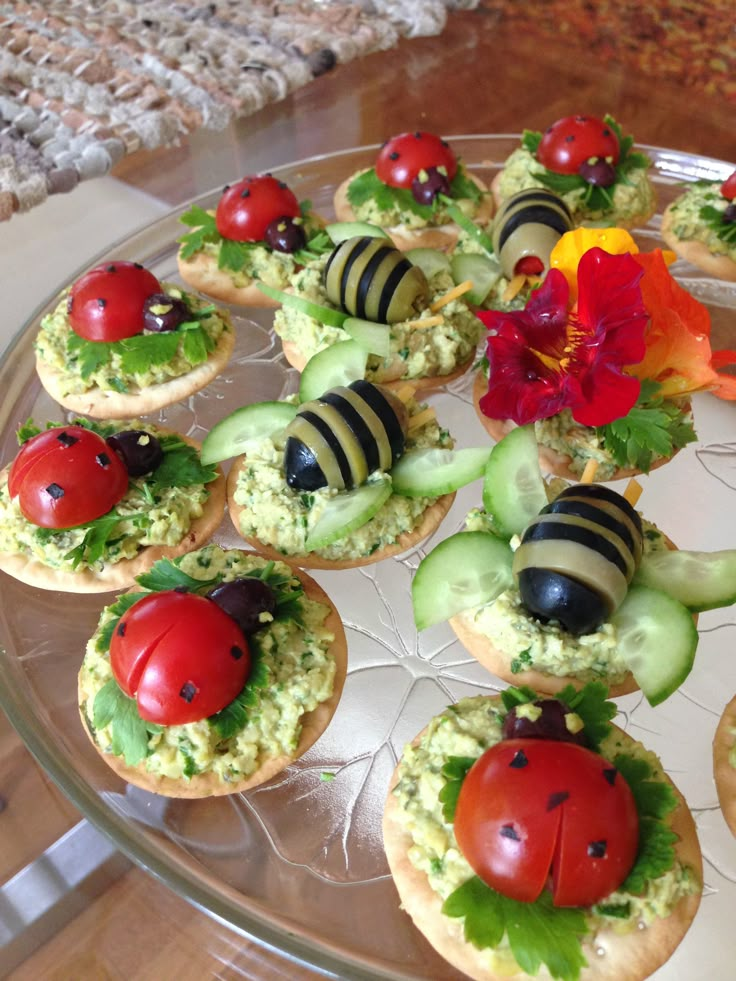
301	675
687	223
416	352
55	334
279	516
467	729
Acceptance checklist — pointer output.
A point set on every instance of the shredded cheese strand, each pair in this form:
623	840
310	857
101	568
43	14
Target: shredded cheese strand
633	492
427	322
588	475
404	393
516	284
422	418
454	293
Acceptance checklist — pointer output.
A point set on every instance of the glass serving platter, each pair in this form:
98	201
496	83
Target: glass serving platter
298	863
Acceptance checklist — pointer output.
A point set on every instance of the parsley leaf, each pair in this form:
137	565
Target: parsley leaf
89	355
98	536
454	770
234	717
118	608
130	734
143	351
530	140
165	574
715	219
180	467
234	255
654	426
27	431
592	705
538	932
462	187
205	230
367	187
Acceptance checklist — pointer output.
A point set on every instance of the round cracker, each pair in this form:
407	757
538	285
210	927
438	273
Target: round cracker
634	221
431	519
118	575
549	460
442	237
611	956
695	252
391	379
314	724
105	404
201	272
724	772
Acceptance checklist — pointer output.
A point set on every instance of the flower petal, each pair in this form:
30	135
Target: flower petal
571	247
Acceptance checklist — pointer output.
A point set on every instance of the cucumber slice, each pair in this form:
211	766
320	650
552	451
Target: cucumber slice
340	364
699	580
431	472
347	511
513	489
657	637
325	315
340	231
466	570
373	338
430	261
230	435
483	271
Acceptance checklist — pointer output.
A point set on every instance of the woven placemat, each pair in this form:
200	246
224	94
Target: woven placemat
83	82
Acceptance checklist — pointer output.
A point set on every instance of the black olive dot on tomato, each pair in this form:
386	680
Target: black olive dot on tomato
103	460
140	452
559	797
570	139
246	600
428	184
599	172
394	155
519	760
101	302
553	596
162	312
509	831
597	849
188	691
245	193
67	440
285	235
111	268
121	628
545	718
138	265
236	653
610	774
55	491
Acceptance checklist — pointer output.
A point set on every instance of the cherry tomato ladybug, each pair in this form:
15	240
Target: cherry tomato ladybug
180	656
728	188
403	157
106	304
570	142
65	477
247	208
528	806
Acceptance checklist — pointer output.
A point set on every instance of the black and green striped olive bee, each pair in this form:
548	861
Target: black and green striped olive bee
369	278
526	228
338	440
578	556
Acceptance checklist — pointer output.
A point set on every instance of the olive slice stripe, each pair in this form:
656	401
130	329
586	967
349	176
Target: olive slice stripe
600	492
617	514
327	451
389	288
555	527
576	561
536	194
374	397
347	439
365	439
591	512
374	427
371	286
353	254
532	214
602	538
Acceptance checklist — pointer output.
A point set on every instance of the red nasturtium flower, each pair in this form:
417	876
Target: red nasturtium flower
546	358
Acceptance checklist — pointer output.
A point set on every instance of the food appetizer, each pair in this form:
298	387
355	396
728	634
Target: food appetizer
700	225
528	837
215	673
590	164
603	359
259	231
418	191
551	585
724	764
120	344
427	334
343	480
86	507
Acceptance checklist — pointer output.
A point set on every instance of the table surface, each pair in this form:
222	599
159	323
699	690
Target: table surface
479	76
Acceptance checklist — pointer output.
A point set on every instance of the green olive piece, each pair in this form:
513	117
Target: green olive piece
529	225
374	281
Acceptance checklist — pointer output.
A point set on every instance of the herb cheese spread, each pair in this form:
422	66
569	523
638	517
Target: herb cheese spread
293	653
547	647
133	364
467	729
687	223
281	517
415	352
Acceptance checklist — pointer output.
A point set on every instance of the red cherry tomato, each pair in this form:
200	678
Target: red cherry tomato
180	656
402	157
728	188
106	304
571	141
65	477
531	806
247	208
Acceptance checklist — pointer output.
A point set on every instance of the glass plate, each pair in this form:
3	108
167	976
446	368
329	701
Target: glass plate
299	863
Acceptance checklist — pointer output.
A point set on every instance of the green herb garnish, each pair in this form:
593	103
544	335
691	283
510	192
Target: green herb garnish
130	734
